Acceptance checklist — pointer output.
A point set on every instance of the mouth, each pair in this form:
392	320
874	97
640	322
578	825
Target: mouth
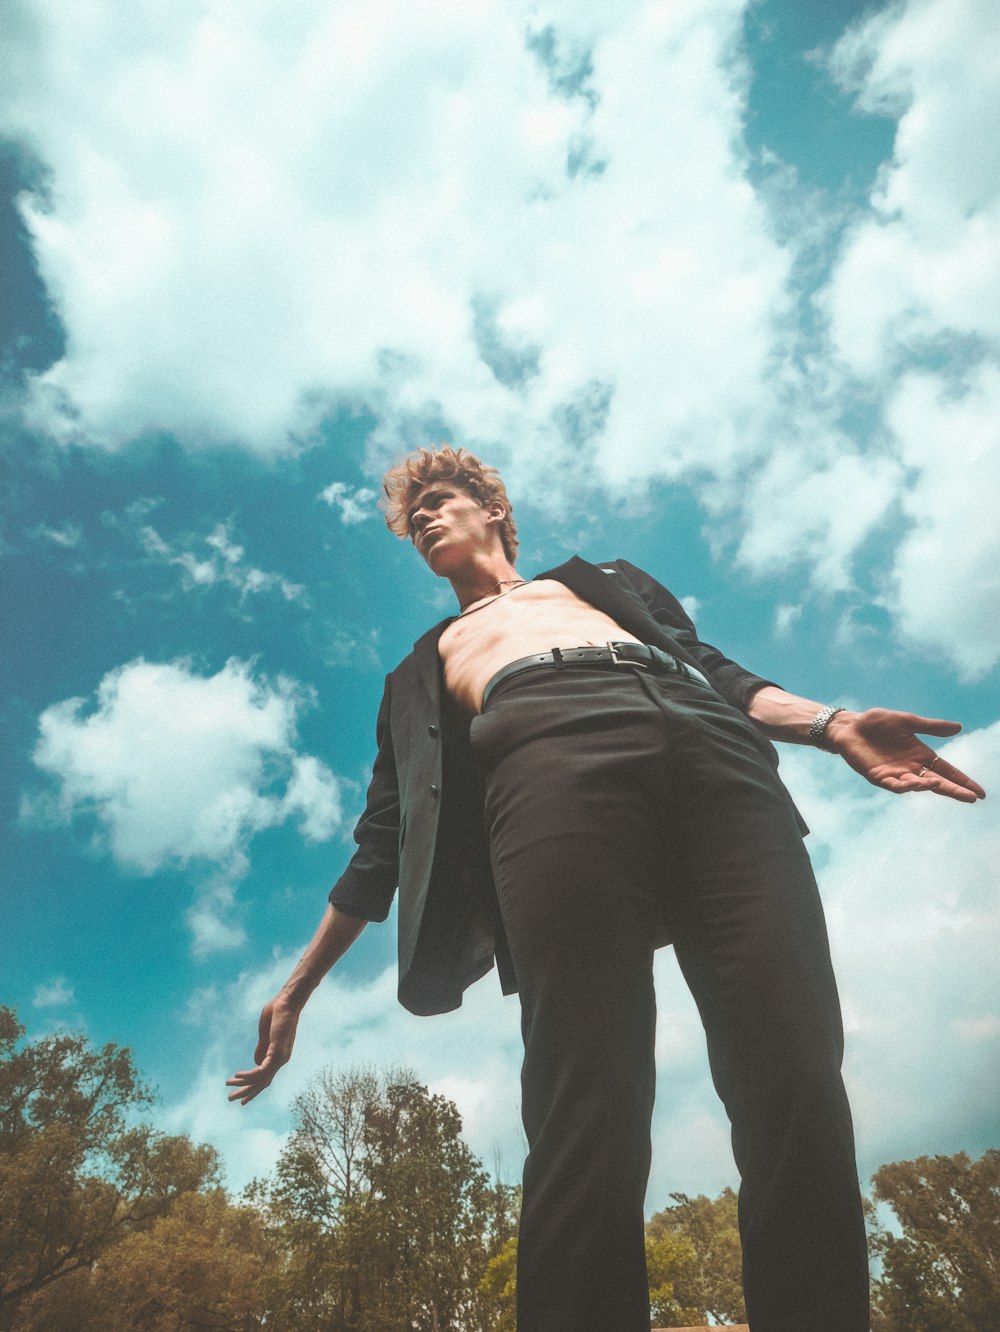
426	536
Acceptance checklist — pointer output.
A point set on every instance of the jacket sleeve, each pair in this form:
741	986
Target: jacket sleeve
733	681
368	884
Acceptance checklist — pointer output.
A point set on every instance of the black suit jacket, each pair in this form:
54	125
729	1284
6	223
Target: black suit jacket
422	824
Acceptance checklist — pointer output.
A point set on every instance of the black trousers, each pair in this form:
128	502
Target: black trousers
620	805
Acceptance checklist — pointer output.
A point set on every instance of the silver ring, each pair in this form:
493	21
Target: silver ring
922	771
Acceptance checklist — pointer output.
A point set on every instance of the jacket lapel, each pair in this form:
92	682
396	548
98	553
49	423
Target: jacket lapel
425	652
610	593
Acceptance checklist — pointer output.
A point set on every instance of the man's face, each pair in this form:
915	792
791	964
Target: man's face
448	526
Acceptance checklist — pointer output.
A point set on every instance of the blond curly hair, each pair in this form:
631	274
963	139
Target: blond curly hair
404	481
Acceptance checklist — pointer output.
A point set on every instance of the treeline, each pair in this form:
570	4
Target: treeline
377	1218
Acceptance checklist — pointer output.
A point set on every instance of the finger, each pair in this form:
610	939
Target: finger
933	725
909	782
953	791
249	1083
952	774
246	1095
246	1075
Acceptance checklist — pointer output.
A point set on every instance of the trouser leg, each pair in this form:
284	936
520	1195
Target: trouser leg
588	1018
751	941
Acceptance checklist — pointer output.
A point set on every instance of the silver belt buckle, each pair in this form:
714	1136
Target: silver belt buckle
621	661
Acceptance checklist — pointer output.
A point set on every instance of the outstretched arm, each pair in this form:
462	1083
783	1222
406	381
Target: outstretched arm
280	1017
882	745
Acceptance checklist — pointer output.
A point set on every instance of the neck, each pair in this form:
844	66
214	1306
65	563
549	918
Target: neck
483	579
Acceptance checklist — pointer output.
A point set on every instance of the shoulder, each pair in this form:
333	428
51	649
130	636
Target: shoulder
619	569
658	599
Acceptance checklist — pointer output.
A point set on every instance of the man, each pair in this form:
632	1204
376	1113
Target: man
621	770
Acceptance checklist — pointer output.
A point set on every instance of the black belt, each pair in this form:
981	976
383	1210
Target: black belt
609	654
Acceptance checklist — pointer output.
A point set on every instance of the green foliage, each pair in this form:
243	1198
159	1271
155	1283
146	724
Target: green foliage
392	1218
942	1274
670	1263
76	1171
695	1261
498	1288
201	1266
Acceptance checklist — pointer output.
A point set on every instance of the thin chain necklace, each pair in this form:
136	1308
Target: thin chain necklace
465	610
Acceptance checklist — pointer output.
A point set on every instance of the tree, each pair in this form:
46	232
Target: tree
76	1171
695	1260
942	1273
394	1219
498	1288
201	1266
313	1203
428	1208
670	1265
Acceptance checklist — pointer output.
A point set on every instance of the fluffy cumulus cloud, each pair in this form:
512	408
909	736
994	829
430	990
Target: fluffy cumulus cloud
816	504
946	577
180	769
353	504
926	261
529	226
915	951
529	221
914	308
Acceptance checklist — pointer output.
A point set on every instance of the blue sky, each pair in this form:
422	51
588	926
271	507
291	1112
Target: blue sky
716	285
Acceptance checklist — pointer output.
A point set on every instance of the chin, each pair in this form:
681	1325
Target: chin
442	561
437	561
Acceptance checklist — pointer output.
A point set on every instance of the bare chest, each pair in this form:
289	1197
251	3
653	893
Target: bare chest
532	618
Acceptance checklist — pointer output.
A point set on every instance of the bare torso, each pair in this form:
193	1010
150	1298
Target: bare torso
532	618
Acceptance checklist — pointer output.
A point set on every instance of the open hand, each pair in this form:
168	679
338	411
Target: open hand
275	1038
885	748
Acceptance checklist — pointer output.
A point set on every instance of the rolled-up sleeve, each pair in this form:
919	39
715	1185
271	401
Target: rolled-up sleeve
368	884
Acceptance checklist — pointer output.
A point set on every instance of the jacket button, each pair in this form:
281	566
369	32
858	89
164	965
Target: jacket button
433	731
434	793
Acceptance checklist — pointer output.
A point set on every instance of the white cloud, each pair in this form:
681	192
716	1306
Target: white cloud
544	238
914	309
182	769
210	921
817	510
314	793
67	536
353	505
223	563
784	618
946	573
53	994
527	226
982	1028
927	260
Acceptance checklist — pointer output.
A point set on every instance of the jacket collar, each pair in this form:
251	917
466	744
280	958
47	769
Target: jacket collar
425	652
607	591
